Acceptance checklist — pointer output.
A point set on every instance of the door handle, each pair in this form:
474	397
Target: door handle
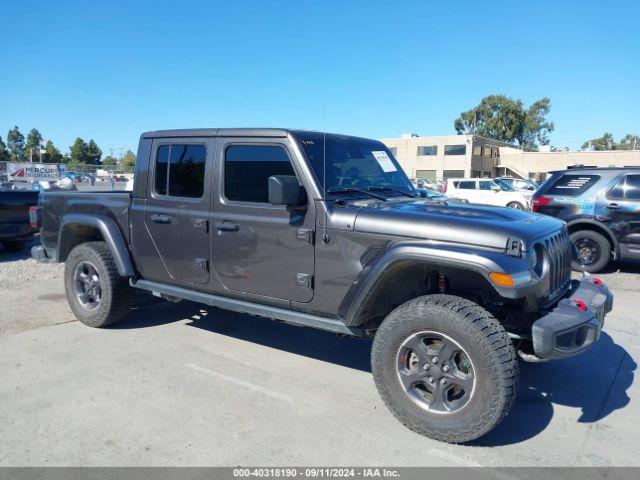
161	218
613	206
227	226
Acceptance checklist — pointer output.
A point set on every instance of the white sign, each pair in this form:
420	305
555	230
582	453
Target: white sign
29	172
384	161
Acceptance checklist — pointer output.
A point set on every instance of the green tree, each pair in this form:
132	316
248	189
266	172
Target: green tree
15	142
536	126
629	142
51	153
129	159
503	118
604	142
109	161
94	154
79	151
32	147
4	153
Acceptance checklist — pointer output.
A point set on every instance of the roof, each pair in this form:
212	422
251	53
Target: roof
218	132
596	169
239	132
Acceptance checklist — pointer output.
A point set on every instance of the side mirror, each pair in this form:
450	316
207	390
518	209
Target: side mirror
283	190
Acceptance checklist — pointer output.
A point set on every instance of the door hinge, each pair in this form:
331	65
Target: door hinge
201	224
305	235
304	280
202	264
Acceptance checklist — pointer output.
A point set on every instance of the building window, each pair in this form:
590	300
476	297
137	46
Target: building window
487	152
455	149
247	169
452	174
428	150
476	173
394	151
179	170
477	150
426	174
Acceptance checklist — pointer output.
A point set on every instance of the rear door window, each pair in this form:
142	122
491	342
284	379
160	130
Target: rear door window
179	170
485	185
572	185
465	185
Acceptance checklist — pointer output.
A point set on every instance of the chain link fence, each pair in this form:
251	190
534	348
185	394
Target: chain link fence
79	168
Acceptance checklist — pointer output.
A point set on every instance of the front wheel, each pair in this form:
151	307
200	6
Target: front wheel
445	367
96	292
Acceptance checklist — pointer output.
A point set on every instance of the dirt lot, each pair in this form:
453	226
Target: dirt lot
182	384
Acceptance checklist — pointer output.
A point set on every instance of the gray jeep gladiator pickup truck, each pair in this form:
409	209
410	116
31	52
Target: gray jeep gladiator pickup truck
326	231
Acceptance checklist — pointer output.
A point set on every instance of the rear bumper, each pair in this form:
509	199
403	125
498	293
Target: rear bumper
16	231
569	329
39	254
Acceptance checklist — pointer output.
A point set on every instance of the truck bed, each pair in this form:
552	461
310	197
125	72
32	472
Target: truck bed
55	205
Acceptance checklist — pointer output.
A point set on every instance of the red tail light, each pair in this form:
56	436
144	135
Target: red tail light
444	187
537	202
33	216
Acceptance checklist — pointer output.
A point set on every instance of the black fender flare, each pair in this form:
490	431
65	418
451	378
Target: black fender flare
602	226
111	234
433	254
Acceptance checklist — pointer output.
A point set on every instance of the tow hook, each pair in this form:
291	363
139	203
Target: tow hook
580	304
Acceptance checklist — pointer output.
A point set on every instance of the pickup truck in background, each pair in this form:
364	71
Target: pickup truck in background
326	231
15	228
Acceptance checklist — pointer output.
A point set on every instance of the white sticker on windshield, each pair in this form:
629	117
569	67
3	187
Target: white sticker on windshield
384	161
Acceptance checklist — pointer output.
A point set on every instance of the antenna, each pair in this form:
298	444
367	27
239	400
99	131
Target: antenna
324	150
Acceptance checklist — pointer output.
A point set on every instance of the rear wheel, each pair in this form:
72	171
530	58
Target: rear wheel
445	367
96	292
592	250
515	205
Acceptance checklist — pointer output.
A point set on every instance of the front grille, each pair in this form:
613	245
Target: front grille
559	252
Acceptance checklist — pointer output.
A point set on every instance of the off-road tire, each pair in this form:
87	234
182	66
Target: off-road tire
484	340
516	206
13	246
603	245
116	292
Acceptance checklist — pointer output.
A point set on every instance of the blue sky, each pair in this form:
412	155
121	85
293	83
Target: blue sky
109	70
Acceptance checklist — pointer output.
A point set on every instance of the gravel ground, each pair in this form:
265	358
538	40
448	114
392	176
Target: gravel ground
31	294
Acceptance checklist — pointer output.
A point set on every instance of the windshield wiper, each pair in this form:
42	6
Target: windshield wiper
356	190
393	189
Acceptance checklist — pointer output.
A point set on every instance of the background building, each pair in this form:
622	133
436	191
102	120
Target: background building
447	156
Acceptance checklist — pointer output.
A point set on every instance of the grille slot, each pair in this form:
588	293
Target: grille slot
558	248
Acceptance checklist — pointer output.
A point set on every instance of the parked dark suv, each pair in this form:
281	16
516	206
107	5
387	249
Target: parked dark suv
602	209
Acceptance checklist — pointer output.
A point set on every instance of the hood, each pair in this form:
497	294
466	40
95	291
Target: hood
453	222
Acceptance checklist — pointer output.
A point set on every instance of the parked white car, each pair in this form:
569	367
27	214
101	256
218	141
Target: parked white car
487	191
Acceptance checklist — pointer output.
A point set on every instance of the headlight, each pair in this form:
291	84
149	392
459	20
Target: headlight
537	259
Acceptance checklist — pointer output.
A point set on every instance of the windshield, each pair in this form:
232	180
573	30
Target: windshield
504	185
352	163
